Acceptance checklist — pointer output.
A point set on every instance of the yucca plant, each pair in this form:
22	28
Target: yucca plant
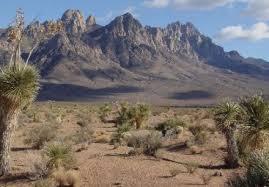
255	122
257	174
19	85
59	155
226	118
138	114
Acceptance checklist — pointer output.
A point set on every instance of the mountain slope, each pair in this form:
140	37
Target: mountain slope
126	60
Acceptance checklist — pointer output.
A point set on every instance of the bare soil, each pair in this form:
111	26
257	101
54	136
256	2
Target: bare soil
101	164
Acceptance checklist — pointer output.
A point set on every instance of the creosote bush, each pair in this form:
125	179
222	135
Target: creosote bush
123	114
39	136
171	127
104	111
118	136
83	135
200	134
147	144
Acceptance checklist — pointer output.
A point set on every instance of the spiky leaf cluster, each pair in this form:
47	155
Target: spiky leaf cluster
59	155
19	84
255	113
226	116
257	171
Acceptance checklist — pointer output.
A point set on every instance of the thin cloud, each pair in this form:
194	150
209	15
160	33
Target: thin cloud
188	4
258	9
157	3
256	32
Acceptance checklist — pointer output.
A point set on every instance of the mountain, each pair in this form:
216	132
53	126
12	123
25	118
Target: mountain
175	65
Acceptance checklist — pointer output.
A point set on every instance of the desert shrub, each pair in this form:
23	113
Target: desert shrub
257	171
84	118
171	127
39	169
51	117
121	130
123	114
66	178
200	134
197	129
147	144
83	135
201	138
138	114
59	155
104	111
38	136
135	115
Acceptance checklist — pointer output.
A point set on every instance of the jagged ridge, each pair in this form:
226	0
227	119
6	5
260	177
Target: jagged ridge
125	52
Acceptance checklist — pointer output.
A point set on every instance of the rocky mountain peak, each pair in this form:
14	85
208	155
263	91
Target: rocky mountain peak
125	25
73	21
90	21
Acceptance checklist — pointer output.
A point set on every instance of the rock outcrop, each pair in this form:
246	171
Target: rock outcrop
126	52
73	21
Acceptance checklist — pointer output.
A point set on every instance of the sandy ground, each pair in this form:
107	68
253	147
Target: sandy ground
103	165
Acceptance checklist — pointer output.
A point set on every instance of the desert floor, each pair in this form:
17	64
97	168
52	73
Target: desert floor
102	164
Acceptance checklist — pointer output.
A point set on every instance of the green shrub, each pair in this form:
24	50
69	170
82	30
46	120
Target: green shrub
83	135
121	130
171	127
148	144
38	136
59	155
123	114
138	114
104	111
257	171
135	115
255	122
200	134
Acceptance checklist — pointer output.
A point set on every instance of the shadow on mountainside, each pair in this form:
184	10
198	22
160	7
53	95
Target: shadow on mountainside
194	94
69	92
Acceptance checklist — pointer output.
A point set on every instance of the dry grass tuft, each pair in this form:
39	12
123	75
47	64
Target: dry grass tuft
66	178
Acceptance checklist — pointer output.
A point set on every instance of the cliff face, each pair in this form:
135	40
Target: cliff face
125	51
